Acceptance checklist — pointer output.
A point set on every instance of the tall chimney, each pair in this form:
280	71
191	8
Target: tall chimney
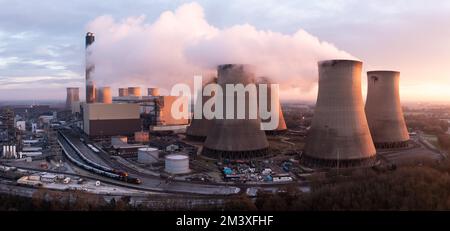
384	111
339	136
90	67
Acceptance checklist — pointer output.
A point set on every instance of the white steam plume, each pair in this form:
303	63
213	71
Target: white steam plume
181	44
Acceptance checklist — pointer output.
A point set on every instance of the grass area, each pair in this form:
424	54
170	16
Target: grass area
432	139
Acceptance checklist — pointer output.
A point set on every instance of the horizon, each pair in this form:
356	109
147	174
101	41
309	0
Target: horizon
41	55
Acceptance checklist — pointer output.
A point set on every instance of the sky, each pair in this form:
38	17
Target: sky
42	42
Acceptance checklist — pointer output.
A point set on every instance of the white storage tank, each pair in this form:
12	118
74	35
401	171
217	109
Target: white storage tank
148	155
177	164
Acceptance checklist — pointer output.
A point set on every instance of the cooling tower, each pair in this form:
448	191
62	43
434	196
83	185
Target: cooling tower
198	129
236	138
153	91
134	91
339	134
123	92
104	95
281	123
72	97
90	85
384	112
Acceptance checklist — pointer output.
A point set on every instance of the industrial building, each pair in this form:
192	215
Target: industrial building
72	97
155	109
141	137
384	111
102	120
90	67
281	123
339	134
236	138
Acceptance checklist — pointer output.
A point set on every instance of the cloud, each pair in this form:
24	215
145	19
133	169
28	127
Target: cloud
182	43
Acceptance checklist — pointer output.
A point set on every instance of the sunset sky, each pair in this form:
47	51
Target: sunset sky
42	42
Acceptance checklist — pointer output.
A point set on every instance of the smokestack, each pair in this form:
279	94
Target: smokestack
72	97
104	95
384	111
123	92
198	129
339	135
236	138
281	123
134	91
153	91
90	85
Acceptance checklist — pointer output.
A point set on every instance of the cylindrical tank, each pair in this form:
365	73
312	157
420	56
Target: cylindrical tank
72	97
148	155
384	111
134	91
153	91
177	164
339	135
104	95
233	137
281	123
123	92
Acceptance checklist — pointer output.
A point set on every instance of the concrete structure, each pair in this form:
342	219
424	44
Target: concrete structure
148	155
339	134
123	92
104	95
76	107
90	67
281	123
153	91
198	129
111	119
141	137
73	95
164	106
236	138
134	91
177	164
384	111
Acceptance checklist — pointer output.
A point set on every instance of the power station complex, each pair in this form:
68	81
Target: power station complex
344	133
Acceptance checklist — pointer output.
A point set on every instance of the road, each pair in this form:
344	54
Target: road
151	182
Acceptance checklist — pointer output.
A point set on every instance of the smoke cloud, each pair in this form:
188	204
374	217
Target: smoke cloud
180	44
